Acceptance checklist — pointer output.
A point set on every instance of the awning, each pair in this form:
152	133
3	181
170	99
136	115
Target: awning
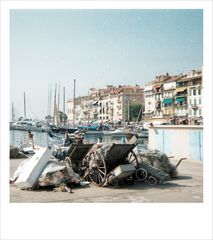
180	89
94	102
168	100
157	85
180	99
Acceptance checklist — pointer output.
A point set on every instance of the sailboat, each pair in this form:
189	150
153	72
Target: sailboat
25	124
59	127
141	132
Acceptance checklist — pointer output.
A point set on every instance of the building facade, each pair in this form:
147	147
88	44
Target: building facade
110	104
174	98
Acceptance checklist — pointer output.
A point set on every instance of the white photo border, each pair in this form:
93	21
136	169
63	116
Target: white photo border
106	221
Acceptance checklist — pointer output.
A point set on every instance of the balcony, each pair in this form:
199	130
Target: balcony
168	106
158	105
181	105
194	106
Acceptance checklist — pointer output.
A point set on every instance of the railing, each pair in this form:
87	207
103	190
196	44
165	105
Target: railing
194	105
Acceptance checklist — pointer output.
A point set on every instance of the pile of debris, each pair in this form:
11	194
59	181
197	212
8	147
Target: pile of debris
104	149
42	170
158	160
102	164
15	153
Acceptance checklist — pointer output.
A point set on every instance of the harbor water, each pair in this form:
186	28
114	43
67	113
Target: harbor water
41	138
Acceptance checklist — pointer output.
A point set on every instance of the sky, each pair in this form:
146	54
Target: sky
97	48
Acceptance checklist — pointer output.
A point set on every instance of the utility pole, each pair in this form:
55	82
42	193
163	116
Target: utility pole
74	102
24	106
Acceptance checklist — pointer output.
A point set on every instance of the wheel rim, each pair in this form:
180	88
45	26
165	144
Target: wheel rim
141	174
68	161
85	168
152	180
112	181
97	169
132	158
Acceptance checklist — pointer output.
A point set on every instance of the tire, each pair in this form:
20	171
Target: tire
141	174
152	180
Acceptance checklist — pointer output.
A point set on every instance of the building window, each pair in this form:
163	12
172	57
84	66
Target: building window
199	91
200	112
194	101
194	92
199	100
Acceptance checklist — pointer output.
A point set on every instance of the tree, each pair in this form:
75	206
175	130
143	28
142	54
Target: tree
134	110
63	116
49	118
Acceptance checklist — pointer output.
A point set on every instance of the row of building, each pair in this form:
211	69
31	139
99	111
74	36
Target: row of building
167	98
174	97
110	104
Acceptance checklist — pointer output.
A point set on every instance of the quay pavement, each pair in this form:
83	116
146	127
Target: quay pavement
186	188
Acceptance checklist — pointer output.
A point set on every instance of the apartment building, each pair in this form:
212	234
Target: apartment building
110	104
194	89
174	97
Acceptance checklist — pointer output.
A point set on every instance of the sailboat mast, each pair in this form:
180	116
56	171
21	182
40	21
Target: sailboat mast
140	113
50	103
64	100
74	102
58	95
13	114
24	106
48	100
64	105
55	101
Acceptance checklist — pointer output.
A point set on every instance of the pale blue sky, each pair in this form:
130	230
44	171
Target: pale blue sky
97	47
